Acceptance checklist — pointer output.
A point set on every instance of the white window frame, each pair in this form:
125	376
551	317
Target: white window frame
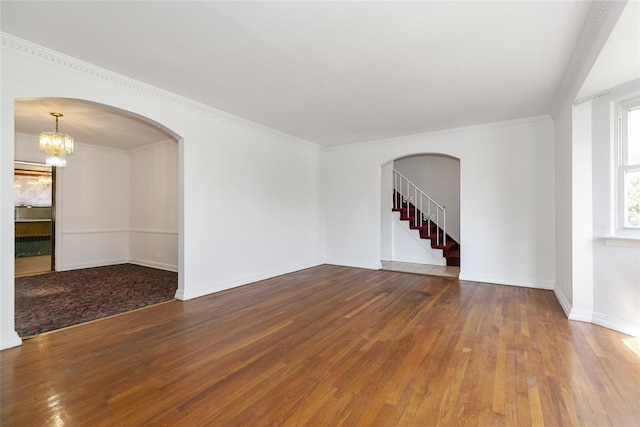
621	166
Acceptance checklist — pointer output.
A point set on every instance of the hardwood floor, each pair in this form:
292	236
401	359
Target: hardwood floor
331	346
27	266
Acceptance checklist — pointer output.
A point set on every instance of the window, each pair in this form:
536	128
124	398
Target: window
628	164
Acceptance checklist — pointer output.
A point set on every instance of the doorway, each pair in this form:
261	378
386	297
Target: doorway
431	247
34	218
113	215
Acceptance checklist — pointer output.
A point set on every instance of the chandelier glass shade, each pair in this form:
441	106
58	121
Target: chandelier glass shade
56	145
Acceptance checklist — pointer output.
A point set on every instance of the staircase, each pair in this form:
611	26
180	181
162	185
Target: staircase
425	216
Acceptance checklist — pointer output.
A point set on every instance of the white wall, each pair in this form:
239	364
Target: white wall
507	199
249	195
616	284
92	225
439	178
597	278
27	148
407	245
92	210
114	206
581	208
386	206
153	239
598	275
564	214
616	263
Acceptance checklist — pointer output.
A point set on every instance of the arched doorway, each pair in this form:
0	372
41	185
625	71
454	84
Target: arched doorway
437	176
118	199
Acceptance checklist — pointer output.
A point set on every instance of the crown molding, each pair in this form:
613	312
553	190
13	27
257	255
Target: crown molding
48	55
602	17
623	89
448	133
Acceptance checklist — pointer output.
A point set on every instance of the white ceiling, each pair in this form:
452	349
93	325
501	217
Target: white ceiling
328	72
86	122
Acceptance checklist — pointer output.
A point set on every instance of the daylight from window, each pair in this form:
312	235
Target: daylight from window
631	167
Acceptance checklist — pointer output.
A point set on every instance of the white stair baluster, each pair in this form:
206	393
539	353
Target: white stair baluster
408	193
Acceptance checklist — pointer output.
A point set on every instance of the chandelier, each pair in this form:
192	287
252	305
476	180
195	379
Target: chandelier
56	145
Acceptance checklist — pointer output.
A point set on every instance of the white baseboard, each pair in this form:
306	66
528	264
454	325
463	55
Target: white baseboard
154	264
508	281
623	326
355	264
180	294
103	263
580	315
564	302
92	264
587	316
196	293
10	340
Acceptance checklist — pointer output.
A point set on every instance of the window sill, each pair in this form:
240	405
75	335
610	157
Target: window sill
622	241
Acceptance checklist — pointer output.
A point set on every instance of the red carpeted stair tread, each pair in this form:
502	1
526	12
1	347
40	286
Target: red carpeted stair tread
449	249
436	240
428	230
453	258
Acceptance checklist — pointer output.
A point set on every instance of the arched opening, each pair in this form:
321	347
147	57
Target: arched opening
118	201
424	239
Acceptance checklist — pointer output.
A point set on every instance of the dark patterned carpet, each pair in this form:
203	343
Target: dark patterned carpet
52	301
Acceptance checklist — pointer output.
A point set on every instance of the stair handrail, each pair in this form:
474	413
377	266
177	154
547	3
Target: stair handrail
425	218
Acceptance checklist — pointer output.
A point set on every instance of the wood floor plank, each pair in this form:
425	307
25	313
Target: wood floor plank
331	346
27	266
